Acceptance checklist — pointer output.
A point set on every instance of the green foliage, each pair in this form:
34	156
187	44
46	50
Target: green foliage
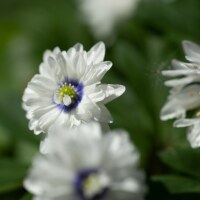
12	173
182	159
179	184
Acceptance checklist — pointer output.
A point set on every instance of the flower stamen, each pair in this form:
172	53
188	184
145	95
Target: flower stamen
91	184
65	94
198	114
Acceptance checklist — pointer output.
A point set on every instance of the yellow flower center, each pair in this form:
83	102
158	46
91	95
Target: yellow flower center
67	90
198	114
94	184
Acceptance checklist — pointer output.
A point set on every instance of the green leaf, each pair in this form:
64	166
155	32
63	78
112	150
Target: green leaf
183	159
178	184
5	139
26	197
12	174
13	117
25	151
130	65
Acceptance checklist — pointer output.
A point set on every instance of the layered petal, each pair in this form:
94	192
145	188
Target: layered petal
68	89
178	103
192	51
193	135
91	163
185	92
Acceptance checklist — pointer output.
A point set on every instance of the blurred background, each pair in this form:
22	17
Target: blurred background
140	48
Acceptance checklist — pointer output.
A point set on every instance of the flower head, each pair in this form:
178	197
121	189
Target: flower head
185	92
104	15
68	89
84	166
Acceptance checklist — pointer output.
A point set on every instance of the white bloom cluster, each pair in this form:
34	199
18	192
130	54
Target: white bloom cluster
83	164
104	15
68	89
185	93
78	161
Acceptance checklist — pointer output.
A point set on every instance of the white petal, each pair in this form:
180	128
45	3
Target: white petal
181	101
127	185
29	93
111	91
95	73
78	47
105	127
57	98
178	65
182	81
58	71
34	125
71	53
116	146
62	64
192	51
80	66
45	70
48	119
42	110
43	82
67	100
88	110
96	129
49	53
193	135
56	50
169	113
69	66
36	102
185	122
105	115
94	93
180	72
96	53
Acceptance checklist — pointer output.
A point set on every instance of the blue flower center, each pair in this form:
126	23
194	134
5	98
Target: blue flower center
91	184
68	95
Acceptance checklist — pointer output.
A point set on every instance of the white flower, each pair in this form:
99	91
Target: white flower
68	89
85	166
104	15
185	92
193	132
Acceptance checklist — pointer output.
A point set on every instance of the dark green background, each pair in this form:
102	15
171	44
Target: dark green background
144	45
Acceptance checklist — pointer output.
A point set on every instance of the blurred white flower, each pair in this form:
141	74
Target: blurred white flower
68	89
84	166
104	15
185	93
